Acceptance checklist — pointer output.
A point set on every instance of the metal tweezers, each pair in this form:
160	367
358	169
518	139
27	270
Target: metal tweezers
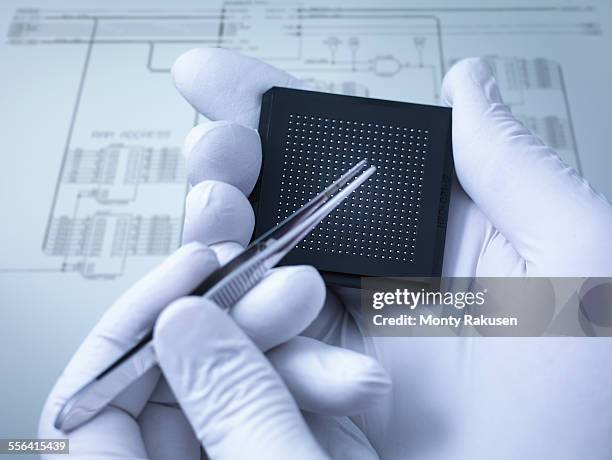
225	287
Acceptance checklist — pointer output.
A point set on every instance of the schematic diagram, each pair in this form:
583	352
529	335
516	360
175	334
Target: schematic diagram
535	91
93	178
121	183
94	227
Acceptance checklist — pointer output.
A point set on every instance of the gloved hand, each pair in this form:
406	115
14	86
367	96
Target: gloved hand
236	404
524	213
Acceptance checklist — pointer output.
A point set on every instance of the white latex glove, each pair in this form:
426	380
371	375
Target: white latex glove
236	404
525	213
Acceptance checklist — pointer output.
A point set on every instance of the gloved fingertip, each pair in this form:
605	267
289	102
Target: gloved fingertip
175	317
364	378
185	69
216	211
197	133
310	278
327	379
226	250
283	305
196	247
223	151
374	375
193	254
473	79
184	324
307	284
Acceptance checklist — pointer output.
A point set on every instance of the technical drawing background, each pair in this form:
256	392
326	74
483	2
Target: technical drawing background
92	175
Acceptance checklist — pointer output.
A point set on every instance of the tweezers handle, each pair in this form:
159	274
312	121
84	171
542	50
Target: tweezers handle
227	294
140	358
98	393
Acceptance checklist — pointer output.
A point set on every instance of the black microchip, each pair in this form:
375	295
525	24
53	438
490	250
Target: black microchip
394	224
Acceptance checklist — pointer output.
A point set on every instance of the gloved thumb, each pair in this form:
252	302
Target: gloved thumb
527	192
237	405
